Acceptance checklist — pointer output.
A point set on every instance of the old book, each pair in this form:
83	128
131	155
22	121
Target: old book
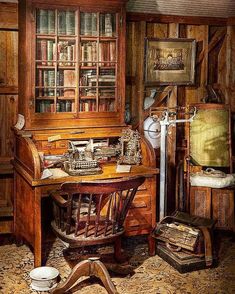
108	25
62	22
69	82
93	24
94	52
50	52
68	106
112	50
87	23
102	24
70	23
41	51
89	54
82	23
51	21
45	78
51	78
42	21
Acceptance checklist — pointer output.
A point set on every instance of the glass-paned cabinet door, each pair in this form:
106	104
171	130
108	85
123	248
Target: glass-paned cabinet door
56	69
76	61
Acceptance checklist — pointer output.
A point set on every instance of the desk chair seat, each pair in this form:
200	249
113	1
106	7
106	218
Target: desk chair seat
91	213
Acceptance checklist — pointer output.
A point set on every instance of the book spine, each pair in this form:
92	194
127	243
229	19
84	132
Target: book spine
62	23
68	106
51	21
108	25
43	50
112	50
70	23
50	51
42	21
102	25
87	23
70	54
94	24
89	54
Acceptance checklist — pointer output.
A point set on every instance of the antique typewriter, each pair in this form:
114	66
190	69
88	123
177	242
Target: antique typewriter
80	160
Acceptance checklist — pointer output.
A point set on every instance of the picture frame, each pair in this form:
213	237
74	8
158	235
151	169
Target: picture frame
170	61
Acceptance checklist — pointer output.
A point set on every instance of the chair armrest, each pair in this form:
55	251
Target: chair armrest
59	200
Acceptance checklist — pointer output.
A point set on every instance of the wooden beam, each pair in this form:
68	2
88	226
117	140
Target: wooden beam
193	20
218	36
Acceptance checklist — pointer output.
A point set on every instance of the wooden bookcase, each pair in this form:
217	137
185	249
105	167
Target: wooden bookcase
72	87
72	70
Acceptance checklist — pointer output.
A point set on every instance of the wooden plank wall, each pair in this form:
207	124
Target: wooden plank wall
8	108
215	64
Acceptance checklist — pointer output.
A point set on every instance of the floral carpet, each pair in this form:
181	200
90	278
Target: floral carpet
142	274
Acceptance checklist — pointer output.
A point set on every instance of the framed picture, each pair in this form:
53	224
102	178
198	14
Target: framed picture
170	61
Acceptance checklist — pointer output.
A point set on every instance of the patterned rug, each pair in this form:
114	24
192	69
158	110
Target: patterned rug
144	274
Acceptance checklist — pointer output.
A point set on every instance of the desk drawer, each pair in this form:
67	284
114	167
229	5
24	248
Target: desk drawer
138	221
141	201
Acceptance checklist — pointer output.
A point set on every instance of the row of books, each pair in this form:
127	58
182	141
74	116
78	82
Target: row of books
66	53
44	106
67	78
46	78
88	24
92	92
46	22
107	53
90	105
91	80
47	53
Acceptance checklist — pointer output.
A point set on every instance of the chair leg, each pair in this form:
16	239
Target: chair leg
90	267
100	271
81	269
151	245
118	250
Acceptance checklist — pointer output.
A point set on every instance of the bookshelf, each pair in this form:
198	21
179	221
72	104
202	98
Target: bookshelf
76	61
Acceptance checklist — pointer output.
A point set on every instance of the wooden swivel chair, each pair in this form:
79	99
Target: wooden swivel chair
91	213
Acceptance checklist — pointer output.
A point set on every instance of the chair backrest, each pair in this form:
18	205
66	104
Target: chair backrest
94	210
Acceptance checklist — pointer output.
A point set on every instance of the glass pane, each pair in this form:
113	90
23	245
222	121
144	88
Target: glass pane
107	24
88	24
88	77
88	53
88	92
44	105
66	22
65	106
106	105
66	52
87	105
45	21
107	53
107	77
46	51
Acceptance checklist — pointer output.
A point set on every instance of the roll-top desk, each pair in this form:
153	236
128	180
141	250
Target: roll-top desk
72	85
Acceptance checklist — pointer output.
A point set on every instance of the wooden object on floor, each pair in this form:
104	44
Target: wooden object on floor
94	212
184	258
90	267
217	204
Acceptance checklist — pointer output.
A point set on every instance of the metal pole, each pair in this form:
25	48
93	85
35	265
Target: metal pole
162	169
